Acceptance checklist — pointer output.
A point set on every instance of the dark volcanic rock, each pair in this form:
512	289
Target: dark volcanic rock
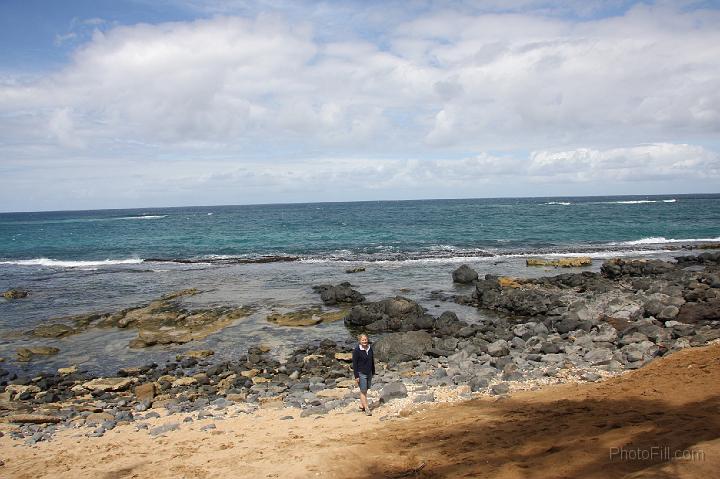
617	267
464	275
394	314
518	300
340	294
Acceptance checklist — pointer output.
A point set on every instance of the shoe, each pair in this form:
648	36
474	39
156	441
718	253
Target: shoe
362	409
368	413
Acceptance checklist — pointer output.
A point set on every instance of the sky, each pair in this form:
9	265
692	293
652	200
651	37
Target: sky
142	103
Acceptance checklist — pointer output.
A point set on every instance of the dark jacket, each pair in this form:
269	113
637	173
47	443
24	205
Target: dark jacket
363	362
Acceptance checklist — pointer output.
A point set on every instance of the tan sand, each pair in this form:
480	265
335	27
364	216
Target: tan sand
566	431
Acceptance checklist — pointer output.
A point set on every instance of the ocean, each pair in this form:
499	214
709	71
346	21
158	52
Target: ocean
269	257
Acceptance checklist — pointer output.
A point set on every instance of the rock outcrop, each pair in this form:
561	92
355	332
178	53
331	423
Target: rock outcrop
340	294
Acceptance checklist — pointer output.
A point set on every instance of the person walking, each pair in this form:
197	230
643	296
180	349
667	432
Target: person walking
363	368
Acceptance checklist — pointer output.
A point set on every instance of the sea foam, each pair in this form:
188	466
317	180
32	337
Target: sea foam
71	264
661	239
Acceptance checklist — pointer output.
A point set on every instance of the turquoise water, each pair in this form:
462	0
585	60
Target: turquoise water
358	231
103	261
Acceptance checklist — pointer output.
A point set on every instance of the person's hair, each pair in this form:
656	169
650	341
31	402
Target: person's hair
363	335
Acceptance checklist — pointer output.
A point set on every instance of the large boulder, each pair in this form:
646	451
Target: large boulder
340	294
617	267
702	311
517	300
448	324
464	275
398	347
394	314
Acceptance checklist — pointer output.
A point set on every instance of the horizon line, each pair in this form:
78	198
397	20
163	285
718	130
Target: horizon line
358	201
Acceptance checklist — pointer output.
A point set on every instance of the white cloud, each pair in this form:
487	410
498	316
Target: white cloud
661	161
254	96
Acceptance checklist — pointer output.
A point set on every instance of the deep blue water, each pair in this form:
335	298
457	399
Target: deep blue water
360	230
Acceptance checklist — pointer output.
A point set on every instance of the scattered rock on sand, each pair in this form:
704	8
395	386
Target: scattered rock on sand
32	419
160	430
108	384
145	392
393	391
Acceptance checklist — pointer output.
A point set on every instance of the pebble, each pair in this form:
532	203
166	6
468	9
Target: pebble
160	430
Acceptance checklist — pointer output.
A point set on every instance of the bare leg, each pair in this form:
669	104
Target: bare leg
363	401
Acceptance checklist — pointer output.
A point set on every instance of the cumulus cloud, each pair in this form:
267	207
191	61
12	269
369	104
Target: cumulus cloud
661	161
269	96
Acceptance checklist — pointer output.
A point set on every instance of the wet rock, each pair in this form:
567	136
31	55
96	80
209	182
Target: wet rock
396	313
617	267
165	321
340	294
30	353
15	293
199	353
306	317
464	275
53	330
574	262
359	269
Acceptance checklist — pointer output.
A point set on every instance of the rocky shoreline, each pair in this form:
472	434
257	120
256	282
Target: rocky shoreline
569	327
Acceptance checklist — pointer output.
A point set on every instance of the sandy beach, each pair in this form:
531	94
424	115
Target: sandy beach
628	426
